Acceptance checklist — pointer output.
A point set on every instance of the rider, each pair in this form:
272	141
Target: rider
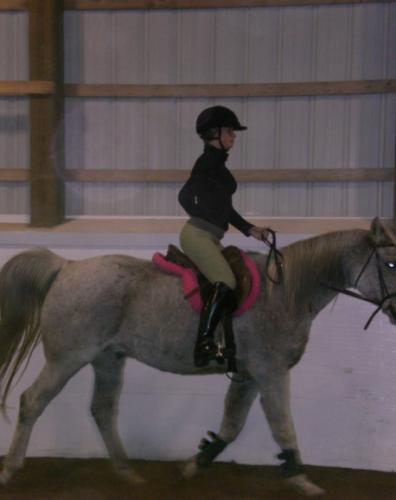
207	198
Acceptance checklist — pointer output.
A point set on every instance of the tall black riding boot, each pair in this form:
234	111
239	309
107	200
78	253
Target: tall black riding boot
206	349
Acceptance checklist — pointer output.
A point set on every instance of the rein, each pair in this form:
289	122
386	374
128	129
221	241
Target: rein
276	255
384	289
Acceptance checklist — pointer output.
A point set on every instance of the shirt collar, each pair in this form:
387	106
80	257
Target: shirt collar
220	154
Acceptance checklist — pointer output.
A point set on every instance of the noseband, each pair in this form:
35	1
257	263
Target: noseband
385	294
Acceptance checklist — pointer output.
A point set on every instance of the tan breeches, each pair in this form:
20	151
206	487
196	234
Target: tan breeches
204	249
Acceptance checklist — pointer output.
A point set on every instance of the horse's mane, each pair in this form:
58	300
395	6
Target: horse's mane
309	263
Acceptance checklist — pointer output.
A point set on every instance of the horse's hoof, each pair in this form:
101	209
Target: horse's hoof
190	468
133	477
136	478
4	477
305	486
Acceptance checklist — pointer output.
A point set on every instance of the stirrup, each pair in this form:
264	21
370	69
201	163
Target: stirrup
205	353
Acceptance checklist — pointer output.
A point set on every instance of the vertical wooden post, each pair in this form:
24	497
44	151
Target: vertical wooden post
46	114
394	186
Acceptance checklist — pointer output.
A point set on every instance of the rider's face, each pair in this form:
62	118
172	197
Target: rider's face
227	137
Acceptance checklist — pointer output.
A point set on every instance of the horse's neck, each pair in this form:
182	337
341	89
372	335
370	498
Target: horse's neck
312	264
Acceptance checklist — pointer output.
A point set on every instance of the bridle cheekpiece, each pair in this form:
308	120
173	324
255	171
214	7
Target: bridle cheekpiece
385	293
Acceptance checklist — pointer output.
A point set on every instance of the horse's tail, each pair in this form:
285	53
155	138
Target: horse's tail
24	282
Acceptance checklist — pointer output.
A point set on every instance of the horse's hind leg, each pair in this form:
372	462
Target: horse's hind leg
238	401
274	388
108	368
33	401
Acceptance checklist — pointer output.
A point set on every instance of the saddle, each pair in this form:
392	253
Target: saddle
196	287
234	258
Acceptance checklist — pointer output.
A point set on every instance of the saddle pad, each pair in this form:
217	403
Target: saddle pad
191	286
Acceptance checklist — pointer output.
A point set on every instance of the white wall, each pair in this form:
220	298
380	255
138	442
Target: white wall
343	395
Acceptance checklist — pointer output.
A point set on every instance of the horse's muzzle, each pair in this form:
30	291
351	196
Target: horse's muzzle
389	309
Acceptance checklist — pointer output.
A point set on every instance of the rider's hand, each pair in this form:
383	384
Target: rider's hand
260	233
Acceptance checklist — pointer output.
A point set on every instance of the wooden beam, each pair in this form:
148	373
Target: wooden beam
253	175
36	87
10	5
394	183
200	4
18	5
247	175
162	225
233	90
24	88
46	113
14	175
315	175
121	175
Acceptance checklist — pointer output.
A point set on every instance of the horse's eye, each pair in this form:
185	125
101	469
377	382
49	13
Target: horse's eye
391	265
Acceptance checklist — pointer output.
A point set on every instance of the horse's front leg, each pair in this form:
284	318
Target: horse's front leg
274	387
238	402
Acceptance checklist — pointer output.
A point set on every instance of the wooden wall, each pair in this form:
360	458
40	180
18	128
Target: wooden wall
314	81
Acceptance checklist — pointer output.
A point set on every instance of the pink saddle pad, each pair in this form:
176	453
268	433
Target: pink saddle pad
191	287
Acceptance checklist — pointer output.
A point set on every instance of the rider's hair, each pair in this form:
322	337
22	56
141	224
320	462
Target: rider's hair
209	135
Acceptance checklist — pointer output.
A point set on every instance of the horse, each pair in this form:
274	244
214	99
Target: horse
102	310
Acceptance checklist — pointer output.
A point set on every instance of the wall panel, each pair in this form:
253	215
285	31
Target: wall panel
197	51
14	112
369	50
322	132
231	46
234	46
332	42
14	198
264	45
162	46
13	46
122	199
297	44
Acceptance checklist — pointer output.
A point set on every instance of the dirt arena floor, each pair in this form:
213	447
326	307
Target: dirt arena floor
65	479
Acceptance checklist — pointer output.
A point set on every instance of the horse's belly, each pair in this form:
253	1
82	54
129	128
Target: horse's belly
160	330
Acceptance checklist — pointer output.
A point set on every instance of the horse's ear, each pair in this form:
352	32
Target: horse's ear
380	234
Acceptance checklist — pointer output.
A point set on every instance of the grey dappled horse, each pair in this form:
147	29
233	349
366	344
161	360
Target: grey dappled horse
104	309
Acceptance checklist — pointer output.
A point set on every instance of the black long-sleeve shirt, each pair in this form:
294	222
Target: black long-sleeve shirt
207	194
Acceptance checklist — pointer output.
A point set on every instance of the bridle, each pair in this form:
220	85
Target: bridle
385	294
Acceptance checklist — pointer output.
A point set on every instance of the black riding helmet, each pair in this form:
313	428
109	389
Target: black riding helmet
217	117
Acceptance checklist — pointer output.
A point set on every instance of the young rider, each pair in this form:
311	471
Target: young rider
207	198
